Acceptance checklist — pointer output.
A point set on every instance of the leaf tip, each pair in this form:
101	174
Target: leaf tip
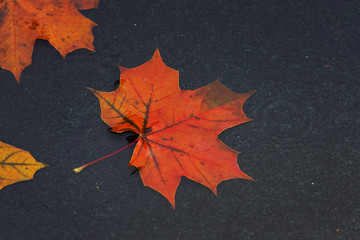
122	69
253	91
247	177
156	54
17	77
215	191
16	73
91	89
249	94
45	165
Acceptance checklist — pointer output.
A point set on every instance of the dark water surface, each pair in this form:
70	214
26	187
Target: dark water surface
302	149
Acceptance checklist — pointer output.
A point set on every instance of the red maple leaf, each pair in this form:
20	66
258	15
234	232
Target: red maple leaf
57	21
178	129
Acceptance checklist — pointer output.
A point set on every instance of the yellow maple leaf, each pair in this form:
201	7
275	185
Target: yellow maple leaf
16	165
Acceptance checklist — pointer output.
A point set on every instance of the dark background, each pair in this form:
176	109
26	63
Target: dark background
303	147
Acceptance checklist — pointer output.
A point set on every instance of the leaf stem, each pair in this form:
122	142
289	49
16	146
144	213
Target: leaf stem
79	169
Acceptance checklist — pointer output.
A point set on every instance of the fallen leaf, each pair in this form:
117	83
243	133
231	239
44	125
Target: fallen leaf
178	129
57	21
16	165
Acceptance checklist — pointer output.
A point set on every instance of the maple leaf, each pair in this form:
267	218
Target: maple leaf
16	165
57	21
178	129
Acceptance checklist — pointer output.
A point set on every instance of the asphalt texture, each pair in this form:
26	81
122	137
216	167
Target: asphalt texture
302	148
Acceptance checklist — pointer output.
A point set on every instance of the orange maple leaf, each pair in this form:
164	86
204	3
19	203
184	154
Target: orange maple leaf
178	129
16	165
57	21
